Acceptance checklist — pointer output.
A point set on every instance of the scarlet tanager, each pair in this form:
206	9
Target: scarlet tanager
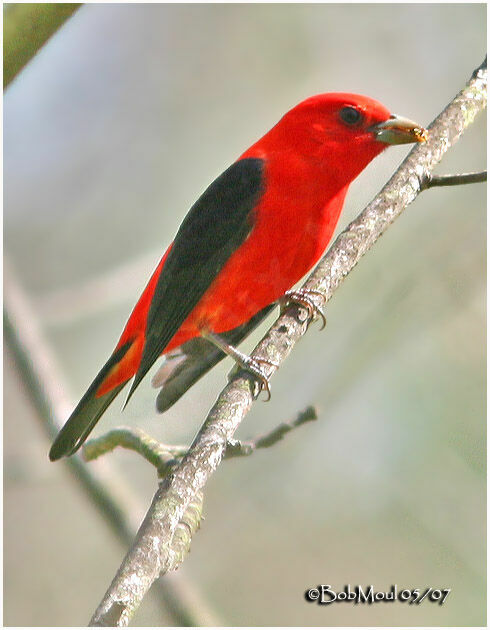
252	234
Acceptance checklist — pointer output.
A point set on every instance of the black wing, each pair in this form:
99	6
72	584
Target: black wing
216	225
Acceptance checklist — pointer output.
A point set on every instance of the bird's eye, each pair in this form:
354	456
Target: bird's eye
350	115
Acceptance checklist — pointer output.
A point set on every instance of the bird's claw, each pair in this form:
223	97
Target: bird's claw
258	372
253	367
303	297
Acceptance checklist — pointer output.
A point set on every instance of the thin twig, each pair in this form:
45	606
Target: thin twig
431	181
157	454
161	456
178	489
241	448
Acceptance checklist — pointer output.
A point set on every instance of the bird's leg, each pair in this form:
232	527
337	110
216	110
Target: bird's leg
303	297
249	364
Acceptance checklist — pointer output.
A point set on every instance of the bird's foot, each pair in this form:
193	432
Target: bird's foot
252	365
305	298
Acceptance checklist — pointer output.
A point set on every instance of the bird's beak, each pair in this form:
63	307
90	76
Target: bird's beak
399	130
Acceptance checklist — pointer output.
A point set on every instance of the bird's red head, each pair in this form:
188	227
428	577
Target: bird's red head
343	131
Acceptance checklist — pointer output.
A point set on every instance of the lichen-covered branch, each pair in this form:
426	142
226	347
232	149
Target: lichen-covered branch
152	552
26	28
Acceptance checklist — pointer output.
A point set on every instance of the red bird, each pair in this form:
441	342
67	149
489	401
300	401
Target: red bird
253	233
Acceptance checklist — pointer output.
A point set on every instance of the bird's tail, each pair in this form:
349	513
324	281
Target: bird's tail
89	409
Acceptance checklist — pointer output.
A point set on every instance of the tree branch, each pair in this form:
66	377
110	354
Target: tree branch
152	553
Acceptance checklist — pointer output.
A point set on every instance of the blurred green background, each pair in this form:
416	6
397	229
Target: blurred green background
110	134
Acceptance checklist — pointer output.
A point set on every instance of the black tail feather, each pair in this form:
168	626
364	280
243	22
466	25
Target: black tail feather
88	411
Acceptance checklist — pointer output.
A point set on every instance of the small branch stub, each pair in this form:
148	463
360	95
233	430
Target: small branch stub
431	181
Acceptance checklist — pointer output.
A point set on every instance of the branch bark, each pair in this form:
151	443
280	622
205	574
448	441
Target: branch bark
152	553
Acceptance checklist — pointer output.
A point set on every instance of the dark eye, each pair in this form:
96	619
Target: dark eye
350	115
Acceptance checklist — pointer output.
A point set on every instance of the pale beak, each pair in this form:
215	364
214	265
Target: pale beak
399	130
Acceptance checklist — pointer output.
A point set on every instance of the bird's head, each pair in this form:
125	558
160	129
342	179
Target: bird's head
339	117
345	131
